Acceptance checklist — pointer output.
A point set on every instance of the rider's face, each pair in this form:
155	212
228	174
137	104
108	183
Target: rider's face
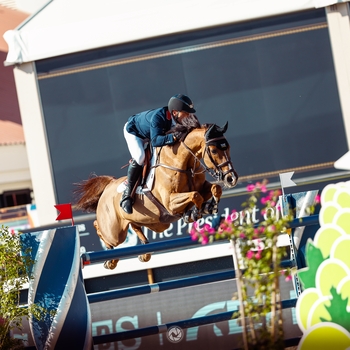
179	115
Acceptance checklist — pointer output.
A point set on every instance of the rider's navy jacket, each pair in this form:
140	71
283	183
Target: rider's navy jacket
152	125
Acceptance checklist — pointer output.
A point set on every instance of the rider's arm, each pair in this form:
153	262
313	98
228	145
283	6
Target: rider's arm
159	127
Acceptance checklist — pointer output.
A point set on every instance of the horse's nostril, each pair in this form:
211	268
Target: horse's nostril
230	180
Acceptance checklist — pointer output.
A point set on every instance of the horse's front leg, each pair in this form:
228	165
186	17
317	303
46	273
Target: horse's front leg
188	204
180	202
212	190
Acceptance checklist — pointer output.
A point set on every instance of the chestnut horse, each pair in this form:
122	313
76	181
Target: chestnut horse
180	189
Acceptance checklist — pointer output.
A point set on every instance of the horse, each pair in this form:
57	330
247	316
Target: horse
179	190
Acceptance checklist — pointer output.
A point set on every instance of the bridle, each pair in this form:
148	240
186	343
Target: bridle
218	174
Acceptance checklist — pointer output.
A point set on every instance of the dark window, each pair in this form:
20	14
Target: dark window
272	79
15	198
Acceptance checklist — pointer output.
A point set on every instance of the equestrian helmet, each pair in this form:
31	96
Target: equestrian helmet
181	102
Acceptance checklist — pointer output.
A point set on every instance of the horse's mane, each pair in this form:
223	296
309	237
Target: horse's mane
185	126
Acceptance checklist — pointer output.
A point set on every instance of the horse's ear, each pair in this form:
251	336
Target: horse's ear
223	129
210	129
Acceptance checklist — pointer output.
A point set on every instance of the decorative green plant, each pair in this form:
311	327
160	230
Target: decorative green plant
323	308
13	276
257	260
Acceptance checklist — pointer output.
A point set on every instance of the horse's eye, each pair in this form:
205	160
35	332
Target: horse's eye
214	151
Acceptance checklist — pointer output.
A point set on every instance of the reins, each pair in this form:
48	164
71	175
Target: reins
193	171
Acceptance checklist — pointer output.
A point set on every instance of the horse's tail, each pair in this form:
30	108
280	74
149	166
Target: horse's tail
88	192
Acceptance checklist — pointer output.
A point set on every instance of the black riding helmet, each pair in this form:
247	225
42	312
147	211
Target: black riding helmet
181	102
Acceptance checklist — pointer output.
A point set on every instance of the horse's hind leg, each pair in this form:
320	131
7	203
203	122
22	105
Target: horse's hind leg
145	257
110	264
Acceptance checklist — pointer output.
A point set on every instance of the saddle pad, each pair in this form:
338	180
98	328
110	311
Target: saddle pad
149	180
122	186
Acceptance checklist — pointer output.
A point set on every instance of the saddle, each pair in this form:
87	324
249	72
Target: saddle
145	185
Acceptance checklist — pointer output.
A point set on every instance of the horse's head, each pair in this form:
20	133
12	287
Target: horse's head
217	153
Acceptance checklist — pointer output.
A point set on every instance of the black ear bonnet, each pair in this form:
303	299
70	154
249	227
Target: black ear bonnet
215	136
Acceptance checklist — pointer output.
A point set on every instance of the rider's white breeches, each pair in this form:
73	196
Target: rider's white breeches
136	146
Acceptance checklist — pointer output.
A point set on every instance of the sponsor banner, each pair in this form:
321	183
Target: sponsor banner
178	229
179	304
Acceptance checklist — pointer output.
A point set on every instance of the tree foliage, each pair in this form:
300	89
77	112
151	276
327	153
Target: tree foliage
13	276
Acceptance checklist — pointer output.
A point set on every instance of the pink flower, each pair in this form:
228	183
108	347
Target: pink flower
242	235
250	254
256	232
205	240
194	235
221	228
208	228
258	255
250	188
317	199
234	215
288	278
271	228
264	200
261	186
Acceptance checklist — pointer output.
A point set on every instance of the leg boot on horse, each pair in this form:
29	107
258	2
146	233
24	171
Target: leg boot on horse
134	172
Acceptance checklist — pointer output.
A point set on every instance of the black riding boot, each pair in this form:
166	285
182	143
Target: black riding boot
134	172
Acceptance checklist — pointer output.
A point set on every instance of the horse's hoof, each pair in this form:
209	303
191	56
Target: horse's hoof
195	214
215	210
145	257
187	217
210	207
109	265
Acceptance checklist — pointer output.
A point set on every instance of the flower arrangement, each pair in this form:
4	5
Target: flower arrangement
257	259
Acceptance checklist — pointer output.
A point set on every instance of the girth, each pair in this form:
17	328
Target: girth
164	217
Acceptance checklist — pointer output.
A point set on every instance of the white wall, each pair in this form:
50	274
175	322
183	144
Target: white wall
30	6
38	155
15	173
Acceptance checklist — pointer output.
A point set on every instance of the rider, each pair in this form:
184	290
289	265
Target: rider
151	126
